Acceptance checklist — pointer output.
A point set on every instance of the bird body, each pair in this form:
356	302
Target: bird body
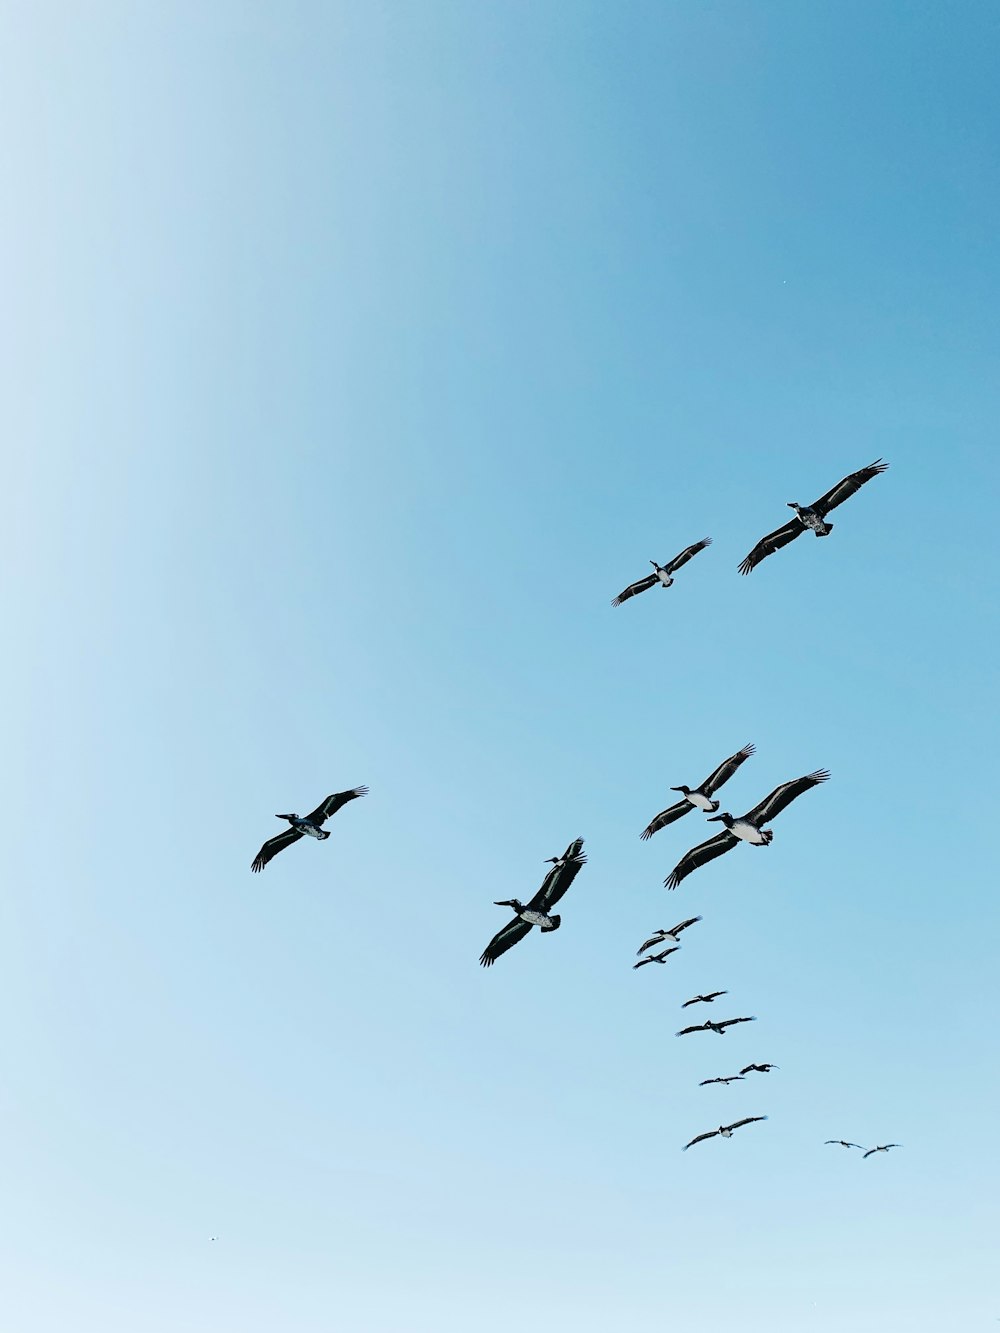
662	574
811	517
747	828
711	1026
758	1069
309	826
882	1147
733	1078
698	798
656	957
537	912
672	935
704	999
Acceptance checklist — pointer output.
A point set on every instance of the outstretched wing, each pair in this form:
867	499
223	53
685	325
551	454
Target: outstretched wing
731	1022
726	770
503	940
846	488
783	796
710	1135
642	963
559	878
749	1120
774	541
687	553
273	846
634	589
699	856
706	1081
698	1027
664	818
333	803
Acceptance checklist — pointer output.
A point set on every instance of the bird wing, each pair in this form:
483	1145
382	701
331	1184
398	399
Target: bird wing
710	1135
726	770
648	944
273	846
706	1081
747	1121
503	940
559	878
683	925
870	1151
714	995
774	541
664	818
333	803
642	963
699	856
634	589
846	488
686	554
697	1027
665	953
773	804
729	1022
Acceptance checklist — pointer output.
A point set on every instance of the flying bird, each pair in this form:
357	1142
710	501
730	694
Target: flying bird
305	825
758	1069
564	870
662	573
711	1026
749	828
733	1078
673	934
656	957
698	798
843	1143
811	516
704	999
882	1147
725	1131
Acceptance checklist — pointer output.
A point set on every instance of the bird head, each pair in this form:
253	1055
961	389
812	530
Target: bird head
288	817
685	790
509	902
793	504
724	818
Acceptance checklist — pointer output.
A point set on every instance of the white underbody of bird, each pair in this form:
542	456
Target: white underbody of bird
811	520
310	830
540	919
701	802
747	832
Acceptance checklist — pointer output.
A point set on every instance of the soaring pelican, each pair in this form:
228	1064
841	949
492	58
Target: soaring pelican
301	826
536	912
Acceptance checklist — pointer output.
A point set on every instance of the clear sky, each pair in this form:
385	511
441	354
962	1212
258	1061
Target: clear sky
354	357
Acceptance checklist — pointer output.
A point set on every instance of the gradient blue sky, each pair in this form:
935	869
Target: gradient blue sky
354	357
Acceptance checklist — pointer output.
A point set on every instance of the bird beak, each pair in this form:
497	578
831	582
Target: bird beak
676	788
716	819
790	504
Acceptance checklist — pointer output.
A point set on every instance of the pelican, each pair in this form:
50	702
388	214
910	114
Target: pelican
662	574
758	1069
811	516
843	1143
725	1131
536	912
711	1026
673	934
733	1078
698	798
305	826
656	957
882	1147
704	999
749	828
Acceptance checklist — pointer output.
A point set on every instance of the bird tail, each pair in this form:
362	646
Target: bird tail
324	834
825	530
767	834
556	922
714	806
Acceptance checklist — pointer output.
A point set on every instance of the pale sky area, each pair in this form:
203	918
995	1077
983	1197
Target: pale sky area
354	357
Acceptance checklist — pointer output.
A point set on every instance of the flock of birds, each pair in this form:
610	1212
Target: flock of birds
749	828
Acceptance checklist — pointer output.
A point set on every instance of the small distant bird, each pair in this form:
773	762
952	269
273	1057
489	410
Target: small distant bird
656	957
673	935
733	1078
564	870
843	1143
758	1069
749	828
725	1131
305	825
811	516
882	1147
662	573
710	1026
704	999
698	798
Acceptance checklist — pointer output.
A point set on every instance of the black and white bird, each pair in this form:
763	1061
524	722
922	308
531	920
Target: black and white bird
301	826
811	516
843	1143
724	1131
733	1078
711	1026
882	1147
758	1069
664	936
662	574
656	957
698	798
748	828
537	912
704	999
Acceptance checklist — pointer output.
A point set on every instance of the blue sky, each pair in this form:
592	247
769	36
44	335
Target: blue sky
354	357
